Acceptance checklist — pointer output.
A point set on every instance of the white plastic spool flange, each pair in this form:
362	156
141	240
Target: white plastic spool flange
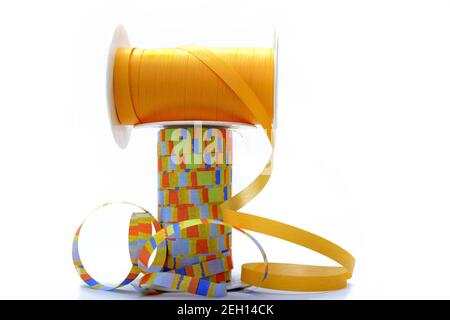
121	133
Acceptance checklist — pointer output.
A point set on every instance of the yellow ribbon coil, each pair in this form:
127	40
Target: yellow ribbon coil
171	84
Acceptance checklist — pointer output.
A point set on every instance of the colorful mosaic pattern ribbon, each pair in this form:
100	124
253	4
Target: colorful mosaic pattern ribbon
194	171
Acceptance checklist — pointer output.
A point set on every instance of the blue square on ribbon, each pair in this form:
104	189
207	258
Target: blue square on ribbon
204	212
213	230
216	266
225	193
180	246
194	196
195	146
221	242
207	159
91	282
172	164
189	261
203	286
160	196
182	179
218	176
165	214
219	144
163	148
164	279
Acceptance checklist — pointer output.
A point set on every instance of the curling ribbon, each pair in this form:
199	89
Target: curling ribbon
278	276
141	245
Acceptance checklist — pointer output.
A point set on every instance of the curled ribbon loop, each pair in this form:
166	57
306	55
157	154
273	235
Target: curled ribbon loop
142	243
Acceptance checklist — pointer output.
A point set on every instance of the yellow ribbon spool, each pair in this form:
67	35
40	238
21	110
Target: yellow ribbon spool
225	86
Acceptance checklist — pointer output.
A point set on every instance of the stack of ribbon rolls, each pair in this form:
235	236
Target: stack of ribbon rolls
219	87
194	177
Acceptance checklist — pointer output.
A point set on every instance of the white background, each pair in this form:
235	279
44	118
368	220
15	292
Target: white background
362	156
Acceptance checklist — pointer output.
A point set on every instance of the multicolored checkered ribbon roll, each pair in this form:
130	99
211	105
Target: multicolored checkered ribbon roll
194	178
